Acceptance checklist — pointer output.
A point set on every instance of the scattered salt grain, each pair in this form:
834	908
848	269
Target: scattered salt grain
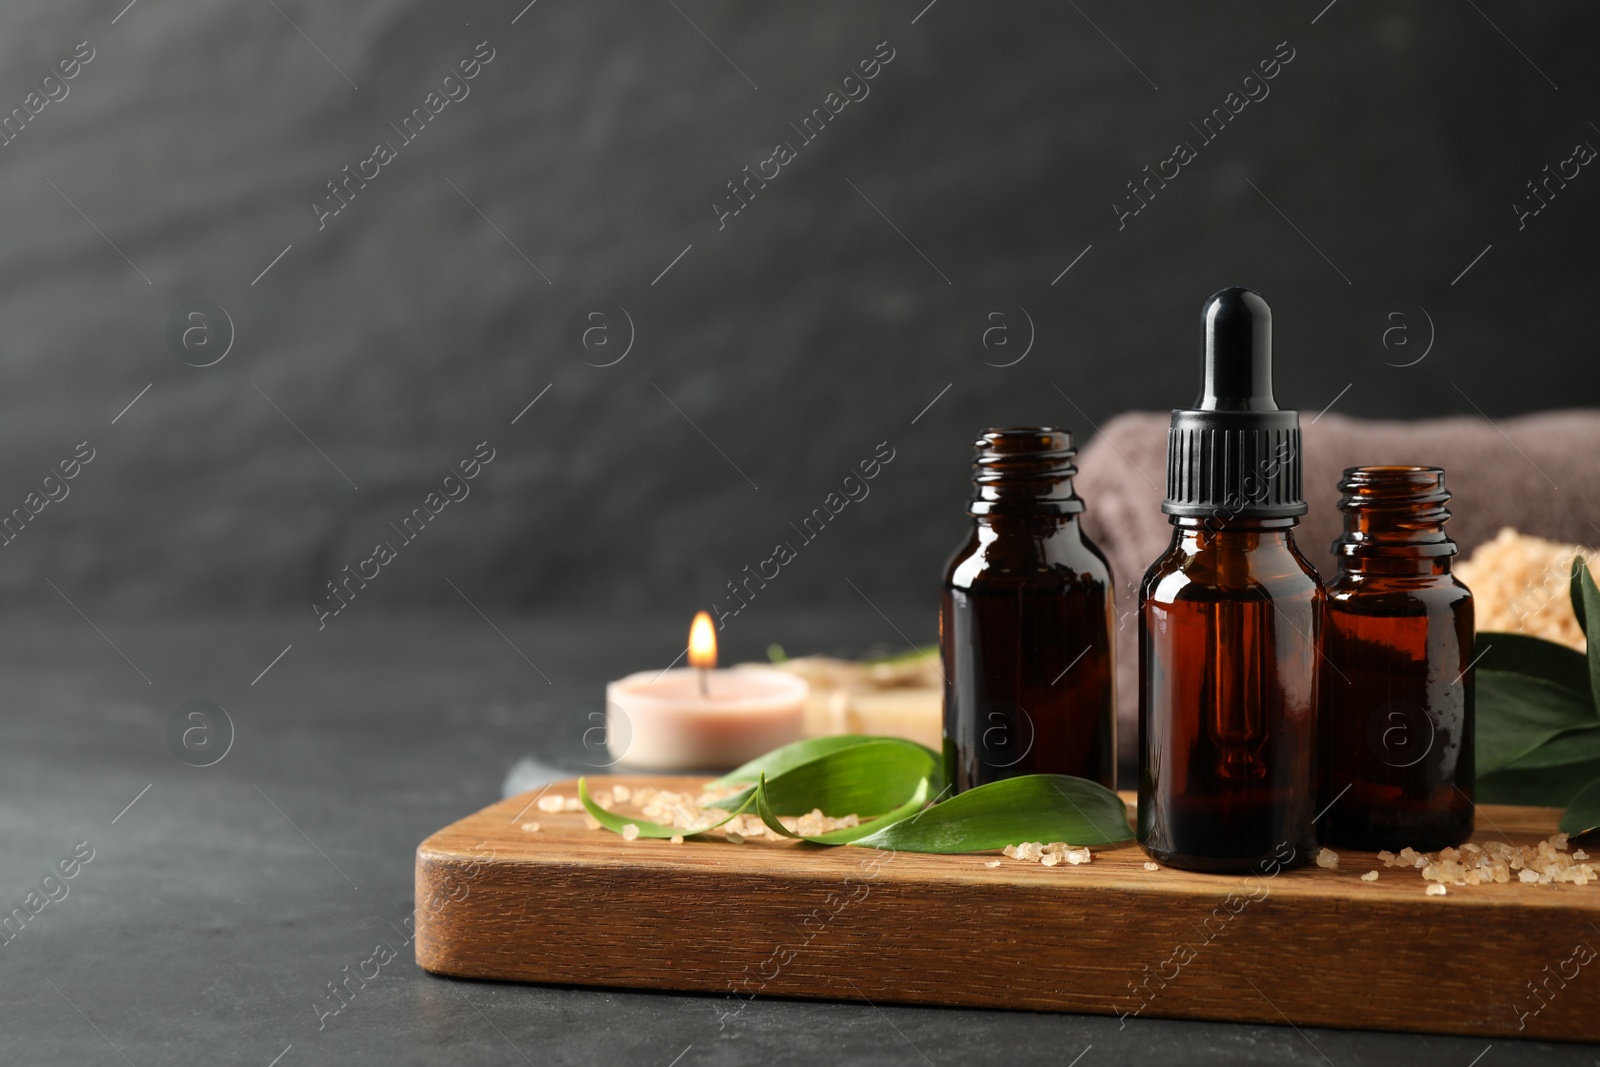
574	804
621	793
590	821
531	827
1328	858
1056	852
992	863
1436	890
1499	862
1151	866
677	839
551	803
691	812
630	832
1370	876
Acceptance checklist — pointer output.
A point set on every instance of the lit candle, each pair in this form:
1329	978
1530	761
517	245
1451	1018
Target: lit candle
703	649
700	718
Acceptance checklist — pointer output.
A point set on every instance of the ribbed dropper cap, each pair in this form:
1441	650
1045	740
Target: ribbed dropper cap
1235	454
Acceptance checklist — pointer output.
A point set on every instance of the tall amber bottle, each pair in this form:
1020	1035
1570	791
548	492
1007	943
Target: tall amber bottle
1229	622
1025	623
1396	710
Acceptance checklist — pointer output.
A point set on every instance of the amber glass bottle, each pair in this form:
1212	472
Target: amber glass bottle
1025	623
1229	622
1396	711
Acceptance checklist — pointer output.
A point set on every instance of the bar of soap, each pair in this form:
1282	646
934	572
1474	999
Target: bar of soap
913	712
903	697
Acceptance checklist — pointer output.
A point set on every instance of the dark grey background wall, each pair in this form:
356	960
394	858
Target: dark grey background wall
771	351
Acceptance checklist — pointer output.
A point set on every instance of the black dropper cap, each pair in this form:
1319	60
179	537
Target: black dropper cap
1235	453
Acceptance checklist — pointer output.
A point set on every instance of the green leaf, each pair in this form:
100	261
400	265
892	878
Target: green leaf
1523	654
846	834
1516	713
868	778
1579	607
1583	814
613	821
1032	807
1574	746
788	757
1547	787
909	656
1586	603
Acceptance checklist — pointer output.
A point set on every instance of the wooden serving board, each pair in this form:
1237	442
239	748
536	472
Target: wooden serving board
1310	946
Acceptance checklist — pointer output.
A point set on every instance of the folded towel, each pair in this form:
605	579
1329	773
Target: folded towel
1538	473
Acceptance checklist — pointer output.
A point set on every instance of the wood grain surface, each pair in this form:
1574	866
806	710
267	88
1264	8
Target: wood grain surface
1310	946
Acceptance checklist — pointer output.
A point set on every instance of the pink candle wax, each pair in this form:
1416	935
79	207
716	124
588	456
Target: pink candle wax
663	720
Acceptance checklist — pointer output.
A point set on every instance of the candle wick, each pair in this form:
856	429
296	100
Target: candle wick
705	688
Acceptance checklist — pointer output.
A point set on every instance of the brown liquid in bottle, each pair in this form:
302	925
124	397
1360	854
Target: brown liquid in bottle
1025	623
1228	656
1397	723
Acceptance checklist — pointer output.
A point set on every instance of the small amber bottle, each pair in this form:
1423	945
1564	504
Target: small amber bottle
1396	714
1228	622
1025	623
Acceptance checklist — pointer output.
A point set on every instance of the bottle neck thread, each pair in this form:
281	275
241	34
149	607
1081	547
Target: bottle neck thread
1024	471
1394	513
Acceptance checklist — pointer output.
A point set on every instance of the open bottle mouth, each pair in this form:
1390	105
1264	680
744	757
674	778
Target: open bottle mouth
1024	470
1395	476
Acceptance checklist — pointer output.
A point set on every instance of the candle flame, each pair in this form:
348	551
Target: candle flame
702	642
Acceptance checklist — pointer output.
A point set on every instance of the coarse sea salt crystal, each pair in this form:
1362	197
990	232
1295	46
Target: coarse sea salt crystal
1328	858
1436	890
1151	866
531	827
551	803
992	863
630	832
1370	876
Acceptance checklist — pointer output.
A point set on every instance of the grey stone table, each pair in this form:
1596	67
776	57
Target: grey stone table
220	902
